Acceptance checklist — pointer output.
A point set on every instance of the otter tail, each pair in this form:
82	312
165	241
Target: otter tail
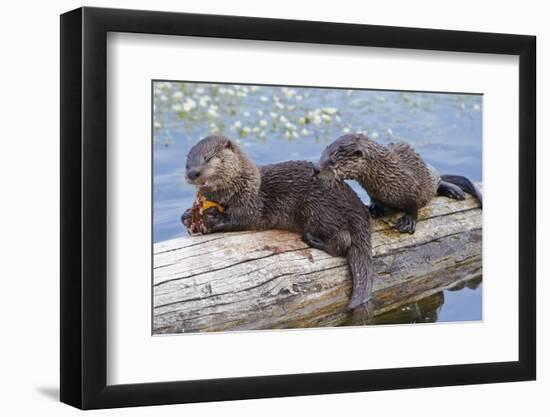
465	185
362	271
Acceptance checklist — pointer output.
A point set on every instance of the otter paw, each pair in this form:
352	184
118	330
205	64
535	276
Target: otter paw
187	217
313	241
456	194
214	221
450	190
406	224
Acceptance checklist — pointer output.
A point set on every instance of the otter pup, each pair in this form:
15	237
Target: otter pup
394	176
283	196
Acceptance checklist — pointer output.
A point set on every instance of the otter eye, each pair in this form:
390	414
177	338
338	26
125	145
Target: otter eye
357	154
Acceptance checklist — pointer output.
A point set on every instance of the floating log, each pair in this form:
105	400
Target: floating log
271	279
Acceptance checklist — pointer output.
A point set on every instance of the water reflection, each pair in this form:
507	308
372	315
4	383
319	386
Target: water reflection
430	309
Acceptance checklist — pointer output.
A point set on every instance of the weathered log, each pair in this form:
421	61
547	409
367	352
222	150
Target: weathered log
271	279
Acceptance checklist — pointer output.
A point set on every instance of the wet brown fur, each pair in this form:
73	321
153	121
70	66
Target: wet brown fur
284	196
394	176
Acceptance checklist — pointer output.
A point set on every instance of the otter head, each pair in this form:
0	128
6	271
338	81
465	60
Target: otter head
212	162
345	158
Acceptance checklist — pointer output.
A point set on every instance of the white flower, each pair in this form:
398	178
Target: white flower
326	118
237	125
260	113
262	123
374	134
477	107
203	101
390	132
316	119
330	110
263	99
176	107
283	119
279	105
255	129
189	105
304	131
177	95
163	98
346	130
157	125
273	114
254	88
302	120
246	114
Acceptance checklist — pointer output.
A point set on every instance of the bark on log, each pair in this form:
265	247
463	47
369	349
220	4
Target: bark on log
271	279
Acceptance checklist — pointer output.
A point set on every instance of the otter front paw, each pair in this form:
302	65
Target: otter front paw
214	221
406	224
187	218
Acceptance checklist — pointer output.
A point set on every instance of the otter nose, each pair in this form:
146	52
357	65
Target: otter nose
316	169
325	163
193	174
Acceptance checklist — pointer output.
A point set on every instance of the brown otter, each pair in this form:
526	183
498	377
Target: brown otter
283	196
394	176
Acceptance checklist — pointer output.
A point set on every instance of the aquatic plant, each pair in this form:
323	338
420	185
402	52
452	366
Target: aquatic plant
252	112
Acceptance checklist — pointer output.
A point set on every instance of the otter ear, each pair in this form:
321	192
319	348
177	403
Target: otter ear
229	144
358	153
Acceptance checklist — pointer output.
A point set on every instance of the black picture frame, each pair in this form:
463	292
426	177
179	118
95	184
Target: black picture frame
84	207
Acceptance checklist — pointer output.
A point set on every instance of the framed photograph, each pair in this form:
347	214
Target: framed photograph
257	208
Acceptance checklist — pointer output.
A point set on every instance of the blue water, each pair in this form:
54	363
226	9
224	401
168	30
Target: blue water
275	124
462	303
